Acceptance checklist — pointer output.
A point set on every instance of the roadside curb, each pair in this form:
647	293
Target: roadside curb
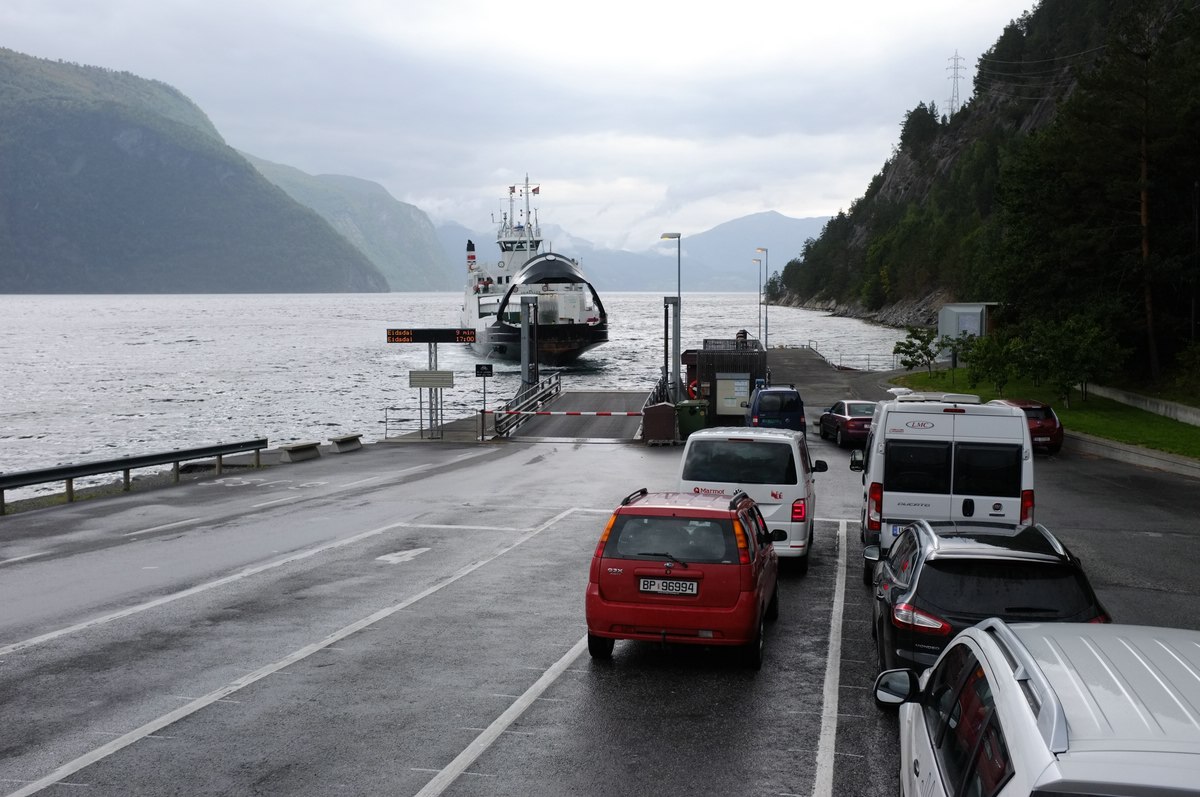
1086	444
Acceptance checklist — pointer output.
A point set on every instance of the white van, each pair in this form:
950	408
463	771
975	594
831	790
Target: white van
772	466
943	456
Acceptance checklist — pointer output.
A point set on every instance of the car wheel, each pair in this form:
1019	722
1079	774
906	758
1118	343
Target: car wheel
841	440
821	431
773	606
880	651
600	647
753	652
868	574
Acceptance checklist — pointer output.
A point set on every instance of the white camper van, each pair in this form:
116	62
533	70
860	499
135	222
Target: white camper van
943	456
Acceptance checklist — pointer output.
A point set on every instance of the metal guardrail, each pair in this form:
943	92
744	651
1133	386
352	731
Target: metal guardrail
527	399
68	473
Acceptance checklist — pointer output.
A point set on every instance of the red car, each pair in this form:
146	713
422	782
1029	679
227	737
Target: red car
683	567
1045	429
847	422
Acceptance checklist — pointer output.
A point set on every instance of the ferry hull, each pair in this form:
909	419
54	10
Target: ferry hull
557	344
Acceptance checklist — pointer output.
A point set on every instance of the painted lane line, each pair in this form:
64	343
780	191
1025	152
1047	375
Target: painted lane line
163	527
827	746
401	556
23	558
279	501
411	525
483	741
361	481
174	596
116	745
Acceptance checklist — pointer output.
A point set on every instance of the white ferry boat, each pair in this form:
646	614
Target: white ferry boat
570	317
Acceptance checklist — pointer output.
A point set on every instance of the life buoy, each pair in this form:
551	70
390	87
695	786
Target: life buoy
692	389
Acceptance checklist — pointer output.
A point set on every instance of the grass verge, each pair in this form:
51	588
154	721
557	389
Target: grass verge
1097	416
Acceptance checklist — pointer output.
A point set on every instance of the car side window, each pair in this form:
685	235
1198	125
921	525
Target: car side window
902	557
967	740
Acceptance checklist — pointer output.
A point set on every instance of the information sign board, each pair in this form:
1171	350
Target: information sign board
431	336
483	369
431	379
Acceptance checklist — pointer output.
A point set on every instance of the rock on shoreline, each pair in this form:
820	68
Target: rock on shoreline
922	312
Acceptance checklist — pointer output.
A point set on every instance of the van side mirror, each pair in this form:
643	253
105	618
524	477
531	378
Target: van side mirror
856	459
871	553
820	466
778	535
744	404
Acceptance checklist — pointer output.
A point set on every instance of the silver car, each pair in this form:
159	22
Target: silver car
1050	709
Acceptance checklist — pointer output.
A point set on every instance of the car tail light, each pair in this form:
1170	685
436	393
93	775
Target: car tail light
604	536
1027	507
754	420
875	507
743	547
907	617
799	510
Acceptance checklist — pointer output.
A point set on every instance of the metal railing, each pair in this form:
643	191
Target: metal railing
531	397
858	361
69	473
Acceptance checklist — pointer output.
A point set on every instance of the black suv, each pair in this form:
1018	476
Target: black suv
939	578
776	408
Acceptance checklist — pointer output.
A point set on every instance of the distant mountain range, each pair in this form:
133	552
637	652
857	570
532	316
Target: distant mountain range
717	260
111	183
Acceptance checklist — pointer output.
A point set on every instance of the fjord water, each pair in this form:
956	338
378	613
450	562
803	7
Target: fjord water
103	376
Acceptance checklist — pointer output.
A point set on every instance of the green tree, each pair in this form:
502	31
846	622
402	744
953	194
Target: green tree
918	348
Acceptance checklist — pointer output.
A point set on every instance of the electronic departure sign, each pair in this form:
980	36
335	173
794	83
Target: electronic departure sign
431	336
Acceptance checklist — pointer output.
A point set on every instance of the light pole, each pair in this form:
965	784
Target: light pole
767	307
758	260
675	353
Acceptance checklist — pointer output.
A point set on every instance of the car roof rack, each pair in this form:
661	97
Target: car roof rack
948	398
737	498
635	495
1051	719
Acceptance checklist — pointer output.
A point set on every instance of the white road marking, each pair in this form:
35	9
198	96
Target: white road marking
826	748
362	481
279	501
23	558
483	741
459	528
401	556
174	596
163	527
478	746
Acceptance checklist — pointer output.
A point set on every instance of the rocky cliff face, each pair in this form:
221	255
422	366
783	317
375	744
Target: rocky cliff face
922	312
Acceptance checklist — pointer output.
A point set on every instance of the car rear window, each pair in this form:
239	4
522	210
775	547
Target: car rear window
658	538
1037	413
740	462
987	469
987	587
779	402
860	410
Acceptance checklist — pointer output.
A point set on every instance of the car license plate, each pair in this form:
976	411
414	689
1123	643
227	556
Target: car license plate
669	586
896	527
1041	439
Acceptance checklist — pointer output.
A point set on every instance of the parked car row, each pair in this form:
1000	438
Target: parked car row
699	564
1010	679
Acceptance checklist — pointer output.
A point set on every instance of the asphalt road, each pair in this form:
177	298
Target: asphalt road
408	620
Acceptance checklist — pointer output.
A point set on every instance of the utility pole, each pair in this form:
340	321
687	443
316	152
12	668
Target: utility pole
954	69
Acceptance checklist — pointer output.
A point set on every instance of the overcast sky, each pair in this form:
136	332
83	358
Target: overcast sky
635	116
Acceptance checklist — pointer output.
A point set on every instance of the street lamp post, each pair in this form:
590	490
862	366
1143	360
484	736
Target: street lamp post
676	356
767	307
758	260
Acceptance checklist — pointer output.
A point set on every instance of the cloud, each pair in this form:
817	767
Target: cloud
635	116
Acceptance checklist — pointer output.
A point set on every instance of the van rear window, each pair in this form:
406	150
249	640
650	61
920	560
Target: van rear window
779	402
987	469
740	462
662	538
917	466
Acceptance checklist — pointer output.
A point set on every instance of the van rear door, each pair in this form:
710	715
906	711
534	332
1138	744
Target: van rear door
916	483
990	463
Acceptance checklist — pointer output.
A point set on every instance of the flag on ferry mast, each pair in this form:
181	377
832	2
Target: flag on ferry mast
537	189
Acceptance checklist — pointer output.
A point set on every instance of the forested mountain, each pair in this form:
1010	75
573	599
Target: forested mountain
397	237
1065	188
110	183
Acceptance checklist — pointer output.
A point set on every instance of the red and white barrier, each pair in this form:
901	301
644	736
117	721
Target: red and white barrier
561	412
